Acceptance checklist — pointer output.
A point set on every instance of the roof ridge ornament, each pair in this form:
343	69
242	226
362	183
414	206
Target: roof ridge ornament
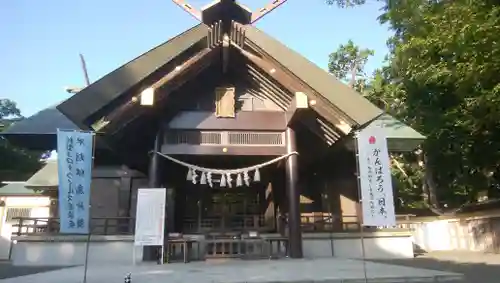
228	10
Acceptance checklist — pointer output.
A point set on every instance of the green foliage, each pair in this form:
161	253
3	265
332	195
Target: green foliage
16	164
447	58
345	3
442	79
348	63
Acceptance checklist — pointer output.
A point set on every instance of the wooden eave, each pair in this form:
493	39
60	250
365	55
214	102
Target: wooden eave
173	80
276	91
93	100
335	96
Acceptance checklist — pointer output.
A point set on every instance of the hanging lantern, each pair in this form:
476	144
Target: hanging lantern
256	176
239	180
203	179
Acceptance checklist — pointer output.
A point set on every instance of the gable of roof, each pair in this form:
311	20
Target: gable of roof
341	96
99	94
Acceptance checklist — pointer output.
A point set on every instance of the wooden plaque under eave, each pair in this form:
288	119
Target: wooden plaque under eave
224	102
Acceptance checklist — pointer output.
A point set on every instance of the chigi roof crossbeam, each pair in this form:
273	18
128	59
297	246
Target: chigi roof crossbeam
228	10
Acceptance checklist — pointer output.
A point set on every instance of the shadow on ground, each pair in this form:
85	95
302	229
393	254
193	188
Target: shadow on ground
476	267
9	271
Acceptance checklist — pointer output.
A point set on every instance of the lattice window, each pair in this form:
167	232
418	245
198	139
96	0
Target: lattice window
13	212
249	138
225	138
193	137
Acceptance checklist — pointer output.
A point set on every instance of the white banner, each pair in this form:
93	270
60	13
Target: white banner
377	198
150	217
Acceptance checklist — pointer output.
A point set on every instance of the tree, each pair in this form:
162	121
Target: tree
348	64
345	3
442	73
16	164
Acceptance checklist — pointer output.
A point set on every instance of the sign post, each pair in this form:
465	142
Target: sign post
150	219
375	189
75	159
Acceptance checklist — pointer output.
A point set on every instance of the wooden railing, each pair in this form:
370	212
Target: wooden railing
317	222
50	225
240	223
326	222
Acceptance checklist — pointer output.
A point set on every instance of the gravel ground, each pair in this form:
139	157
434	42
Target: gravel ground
476	267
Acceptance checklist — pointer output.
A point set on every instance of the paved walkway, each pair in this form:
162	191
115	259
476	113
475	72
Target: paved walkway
476	267
328	270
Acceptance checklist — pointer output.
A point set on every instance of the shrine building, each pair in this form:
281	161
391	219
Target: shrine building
253	142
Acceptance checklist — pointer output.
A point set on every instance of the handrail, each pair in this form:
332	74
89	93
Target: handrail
50	225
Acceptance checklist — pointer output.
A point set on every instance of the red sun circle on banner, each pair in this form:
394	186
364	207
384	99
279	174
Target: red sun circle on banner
372	140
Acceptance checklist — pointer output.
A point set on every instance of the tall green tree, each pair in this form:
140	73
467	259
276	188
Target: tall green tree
348	64
443	75
16	164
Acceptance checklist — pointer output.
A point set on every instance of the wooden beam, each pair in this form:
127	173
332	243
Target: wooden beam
294	85
188	149
299	103
266	10
171	81
225	53
243	121
188	8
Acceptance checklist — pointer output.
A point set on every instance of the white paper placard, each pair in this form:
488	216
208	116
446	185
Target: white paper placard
377	197
150	217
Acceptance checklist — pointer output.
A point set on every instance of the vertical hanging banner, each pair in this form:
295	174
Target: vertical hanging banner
377	197
74	151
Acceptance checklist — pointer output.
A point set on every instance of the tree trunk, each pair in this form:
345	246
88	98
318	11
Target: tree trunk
429	190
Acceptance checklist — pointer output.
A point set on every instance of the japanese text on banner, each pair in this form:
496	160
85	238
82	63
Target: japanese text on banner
74	151
375	178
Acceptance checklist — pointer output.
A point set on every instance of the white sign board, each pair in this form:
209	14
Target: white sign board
377	197
150	217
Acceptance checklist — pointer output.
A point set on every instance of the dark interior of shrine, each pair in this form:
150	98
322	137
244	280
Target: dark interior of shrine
200	208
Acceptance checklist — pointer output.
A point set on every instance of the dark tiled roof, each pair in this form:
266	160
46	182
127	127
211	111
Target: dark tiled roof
17	189
44	122
38	132
47	177
101	93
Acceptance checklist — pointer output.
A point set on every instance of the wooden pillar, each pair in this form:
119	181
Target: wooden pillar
154	181
293	194
170	210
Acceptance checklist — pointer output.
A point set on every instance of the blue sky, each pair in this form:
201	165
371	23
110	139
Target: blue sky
40	40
